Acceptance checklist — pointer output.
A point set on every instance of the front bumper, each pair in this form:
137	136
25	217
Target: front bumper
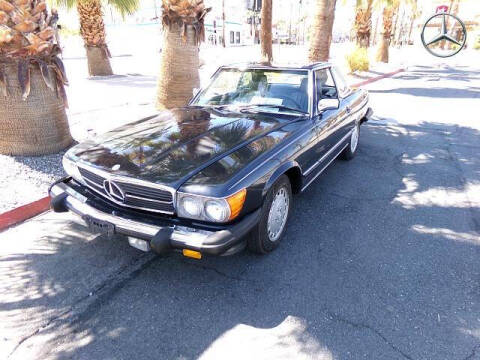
160	237
367	116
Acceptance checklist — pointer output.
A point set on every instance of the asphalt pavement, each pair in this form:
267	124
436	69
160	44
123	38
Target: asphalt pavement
381	259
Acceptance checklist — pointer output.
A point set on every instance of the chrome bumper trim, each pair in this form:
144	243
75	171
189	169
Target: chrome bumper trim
76	203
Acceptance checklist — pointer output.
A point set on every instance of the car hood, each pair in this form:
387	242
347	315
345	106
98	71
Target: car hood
174	145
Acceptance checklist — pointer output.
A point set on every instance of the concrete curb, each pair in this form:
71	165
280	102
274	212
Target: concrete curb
25	212
387	75
22	213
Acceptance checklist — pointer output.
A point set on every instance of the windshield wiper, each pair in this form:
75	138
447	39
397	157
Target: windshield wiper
279	107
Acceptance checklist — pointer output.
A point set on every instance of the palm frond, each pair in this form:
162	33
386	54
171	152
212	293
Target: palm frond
124	7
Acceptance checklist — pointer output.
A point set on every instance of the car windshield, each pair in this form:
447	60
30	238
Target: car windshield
267	90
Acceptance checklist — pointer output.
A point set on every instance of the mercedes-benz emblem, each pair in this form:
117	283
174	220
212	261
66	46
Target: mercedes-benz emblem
451	38
113	191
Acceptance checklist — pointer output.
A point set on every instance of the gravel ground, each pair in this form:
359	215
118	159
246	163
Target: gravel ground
24	179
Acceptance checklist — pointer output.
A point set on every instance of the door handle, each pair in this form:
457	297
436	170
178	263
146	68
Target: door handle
348	109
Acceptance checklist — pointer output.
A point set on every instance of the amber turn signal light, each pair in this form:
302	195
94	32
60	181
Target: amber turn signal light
192	254
236	202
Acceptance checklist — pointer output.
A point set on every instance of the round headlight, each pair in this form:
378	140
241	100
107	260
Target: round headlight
192	206
71	169
217	210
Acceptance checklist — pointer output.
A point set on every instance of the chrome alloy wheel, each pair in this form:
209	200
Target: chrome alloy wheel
277	217
354	139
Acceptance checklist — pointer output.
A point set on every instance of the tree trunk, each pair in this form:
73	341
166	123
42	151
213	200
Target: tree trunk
394	26
382	52
266	32
35	126
375	31
450	8
321	35
399	26
363	25
409	37
454	11
98	61
179	70
92	30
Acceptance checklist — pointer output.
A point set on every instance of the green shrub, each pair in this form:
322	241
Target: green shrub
66	32
476	45
358	60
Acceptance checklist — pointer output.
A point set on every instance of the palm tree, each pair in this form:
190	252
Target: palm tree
321	32
452	9
363	22
183	24
266	32
92	30
390	7
32	79
413	16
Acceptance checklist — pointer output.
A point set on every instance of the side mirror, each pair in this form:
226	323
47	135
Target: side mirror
328	104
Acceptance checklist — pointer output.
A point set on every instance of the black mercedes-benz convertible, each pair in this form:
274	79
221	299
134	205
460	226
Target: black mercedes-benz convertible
218	174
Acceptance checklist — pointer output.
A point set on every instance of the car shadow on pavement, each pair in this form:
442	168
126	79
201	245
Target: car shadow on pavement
380	260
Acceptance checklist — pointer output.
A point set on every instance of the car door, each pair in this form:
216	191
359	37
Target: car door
345	122
329	120
326	123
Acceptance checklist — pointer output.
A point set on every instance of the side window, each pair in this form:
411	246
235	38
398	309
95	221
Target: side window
326	88
342	85
232	37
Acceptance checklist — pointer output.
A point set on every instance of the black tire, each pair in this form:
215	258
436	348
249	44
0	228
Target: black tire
348	154
259	241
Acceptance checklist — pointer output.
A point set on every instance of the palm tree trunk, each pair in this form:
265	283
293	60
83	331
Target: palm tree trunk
92	30
375	31
363	24
450	8
410	30
382	52
413	16
394	26
399	28
321	35
179	70
37	125
266	32
454	11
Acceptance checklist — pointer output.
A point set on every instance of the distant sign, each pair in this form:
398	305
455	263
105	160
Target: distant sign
442	9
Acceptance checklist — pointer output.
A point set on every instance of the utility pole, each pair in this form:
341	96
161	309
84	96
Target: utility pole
223	24
290	26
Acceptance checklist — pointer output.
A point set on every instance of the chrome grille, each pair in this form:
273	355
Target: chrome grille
145	192
135	195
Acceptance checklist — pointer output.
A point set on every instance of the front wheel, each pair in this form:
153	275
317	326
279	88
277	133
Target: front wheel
351	150
266	236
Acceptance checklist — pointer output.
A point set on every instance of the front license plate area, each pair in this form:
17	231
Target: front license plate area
99	226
